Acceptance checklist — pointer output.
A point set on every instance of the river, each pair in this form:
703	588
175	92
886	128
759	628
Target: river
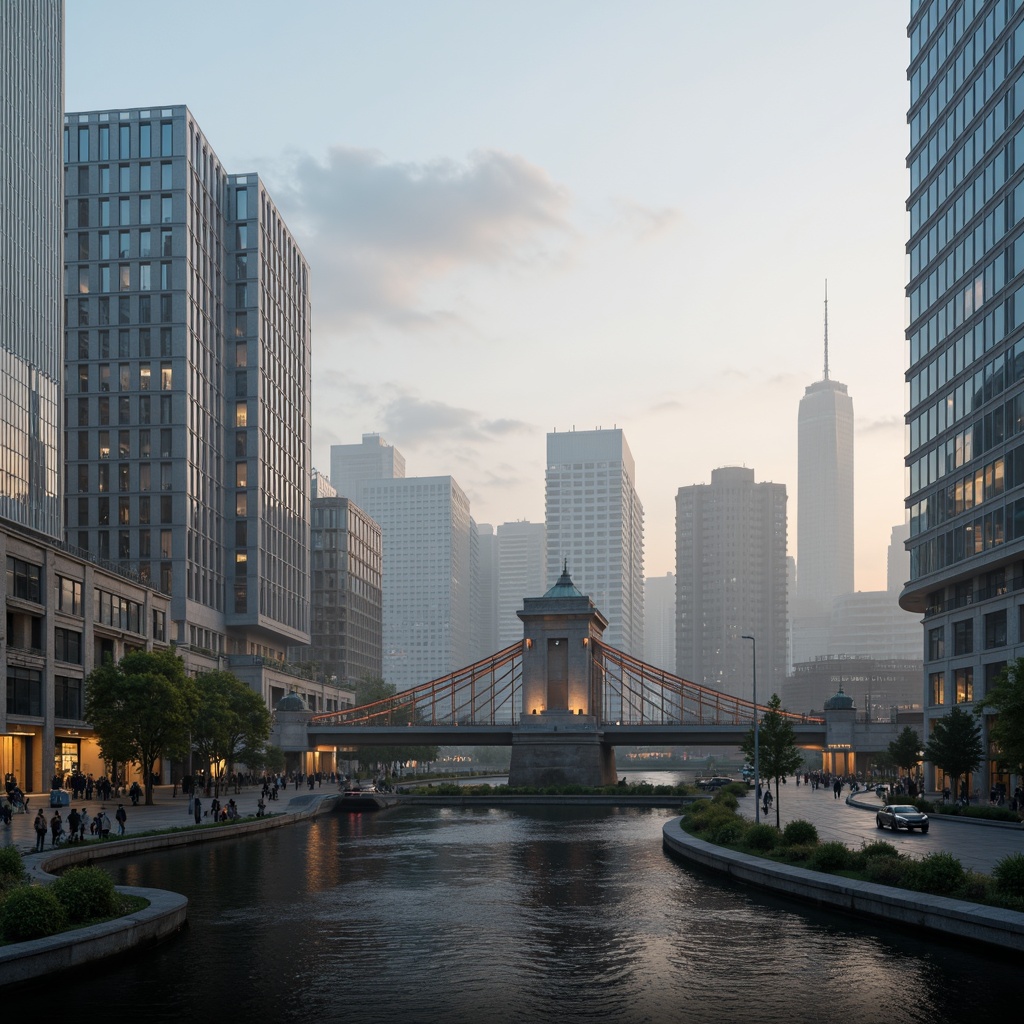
547	916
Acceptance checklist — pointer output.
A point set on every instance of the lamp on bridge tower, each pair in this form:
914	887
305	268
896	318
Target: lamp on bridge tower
757	730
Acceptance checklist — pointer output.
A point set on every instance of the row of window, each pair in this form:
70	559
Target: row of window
97	344
25	692
105	181
143	246
144	310
92	142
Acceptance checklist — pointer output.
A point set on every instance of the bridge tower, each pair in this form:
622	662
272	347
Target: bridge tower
559	740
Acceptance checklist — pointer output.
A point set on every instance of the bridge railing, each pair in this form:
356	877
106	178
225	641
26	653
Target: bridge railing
484	693
632	692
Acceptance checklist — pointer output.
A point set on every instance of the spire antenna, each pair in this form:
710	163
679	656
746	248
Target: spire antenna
826	329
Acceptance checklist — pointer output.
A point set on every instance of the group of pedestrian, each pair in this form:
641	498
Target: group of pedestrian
77	823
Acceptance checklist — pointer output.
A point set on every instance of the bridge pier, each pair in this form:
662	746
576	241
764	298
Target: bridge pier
558	748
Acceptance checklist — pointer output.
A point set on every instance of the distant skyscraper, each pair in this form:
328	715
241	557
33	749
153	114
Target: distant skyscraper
373	459
188	350
824	508
595	524
731	581
522	572
427	577
965	334
485	590
660	621
897	562
31	304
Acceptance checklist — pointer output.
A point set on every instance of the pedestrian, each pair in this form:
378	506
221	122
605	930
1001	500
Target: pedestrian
56	827
121	817
767	800
104	823
197	807
74	820
84	822
40	827
261	806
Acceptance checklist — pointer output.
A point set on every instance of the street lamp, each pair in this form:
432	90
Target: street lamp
757	729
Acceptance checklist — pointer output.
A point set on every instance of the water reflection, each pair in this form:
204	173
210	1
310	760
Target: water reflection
545	915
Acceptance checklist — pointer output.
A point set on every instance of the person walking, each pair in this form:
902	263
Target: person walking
83	823
121	816
40	827
197	807
56	827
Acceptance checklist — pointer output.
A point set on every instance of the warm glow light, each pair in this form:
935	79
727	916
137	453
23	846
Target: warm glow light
529	643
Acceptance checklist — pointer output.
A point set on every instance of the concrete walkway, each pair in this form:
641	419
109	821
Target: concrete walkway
167	811
978	844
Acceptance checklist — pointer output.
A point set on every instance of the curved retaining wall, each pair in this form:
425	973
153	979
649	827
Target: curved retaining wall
956	918
165	915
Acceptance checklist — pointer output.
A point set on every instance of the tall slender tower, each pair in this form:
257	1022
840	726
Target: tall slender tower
824	508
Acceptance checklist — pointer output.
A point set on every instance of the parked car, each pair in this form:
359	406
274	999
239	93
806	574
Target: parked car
897	816
717	782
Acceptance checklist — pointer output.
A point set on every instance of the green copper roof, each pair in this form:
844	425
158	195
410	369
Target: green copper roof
564	587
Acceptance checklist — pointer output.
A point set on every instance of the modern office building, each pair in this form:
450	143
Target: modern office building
660	621
427	563
522	569
188	361
731	582
824	509
965	334
595	527
484	547
31	307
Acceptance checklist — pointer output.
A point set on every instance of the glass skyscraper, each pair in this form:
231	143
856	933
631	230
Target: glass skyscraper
965	335
31	364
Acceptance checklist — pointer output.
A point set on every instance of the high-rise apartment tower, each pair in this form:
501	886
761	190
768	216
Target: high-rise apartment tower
595	525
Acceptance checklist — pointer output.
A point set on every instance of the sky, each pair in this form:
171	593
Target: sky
534	215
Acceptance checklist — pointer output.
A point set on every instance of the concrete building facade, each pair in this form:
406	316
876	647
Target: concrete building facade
731	582
522	571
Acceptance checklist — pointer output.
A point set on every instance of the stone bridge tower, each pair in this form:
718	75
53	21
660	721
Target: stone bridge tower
559	741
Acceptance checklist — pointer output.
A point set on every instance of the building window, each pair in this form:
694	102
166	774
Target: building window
67	697
963	637
937	643
937	688
67	646
995	629
24	580
69	595
964	682
24	691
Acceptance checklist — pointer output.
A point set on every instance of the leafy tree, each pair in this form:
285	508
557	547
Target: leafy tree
142	708
265	758
1006	730
231	720
955	745
778	753
905	750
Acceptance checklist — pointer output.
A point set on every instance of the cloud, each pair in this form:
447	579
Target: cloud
645	223
378	234
881	425
417	422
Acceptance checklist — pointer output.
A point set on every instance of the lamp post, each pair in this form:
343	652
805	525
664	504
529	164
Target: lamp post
757	729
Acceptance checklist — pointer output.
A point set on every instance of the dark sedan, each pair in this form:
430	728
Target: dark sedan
897	816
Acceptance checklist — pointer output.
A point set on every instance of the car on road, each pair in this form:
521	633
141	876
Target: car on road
897	816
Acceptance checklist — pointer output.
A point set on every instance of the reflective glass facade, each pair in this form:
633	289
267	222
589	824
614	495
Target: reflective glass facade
965	381
32	101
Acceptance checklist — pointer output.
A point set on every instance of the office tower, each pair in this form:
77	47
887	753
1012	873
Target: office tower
188	354
731	582
522	573
824	508
347	616
897	560
965	334
372	459
484	575
660	621
595	526
31	308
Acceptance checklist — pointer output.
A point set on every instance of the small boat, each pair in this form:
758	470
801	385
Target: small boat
365	798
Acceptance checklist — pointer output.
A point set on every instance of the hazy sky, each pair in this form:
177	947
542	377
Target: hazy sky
527	215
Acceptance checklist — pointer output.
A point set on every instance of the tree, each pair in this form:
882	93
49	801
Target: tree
1006	730
955	745
142	708
905	750
231	720
778	753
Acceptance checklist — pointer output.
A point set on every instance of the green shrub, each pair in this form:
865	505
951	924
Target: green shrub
31	912
830	857
879	848
1008	875
885	870
726	799
761	837
86	893
729	834
710	819
798	853
799	833
938	873
975	887
10	864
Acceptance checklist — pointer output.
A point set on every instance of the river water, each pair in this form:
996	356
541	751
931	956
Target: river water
546	915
